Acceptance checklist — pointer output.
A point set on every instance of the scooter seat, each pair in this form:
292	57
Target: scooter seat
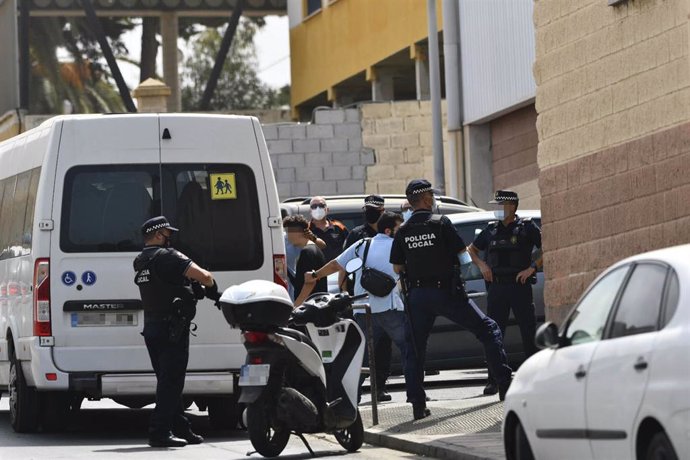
298	335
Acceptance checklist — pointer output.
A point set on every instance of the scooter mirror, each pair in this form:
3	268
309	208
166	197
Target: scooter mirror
353	265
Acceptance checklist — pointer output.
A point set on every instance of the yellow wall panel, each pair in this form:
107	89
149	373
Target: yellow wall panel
350	35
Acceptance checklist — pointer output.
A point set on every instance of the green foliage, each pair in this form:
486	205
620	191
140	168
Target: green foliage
82	81
239	86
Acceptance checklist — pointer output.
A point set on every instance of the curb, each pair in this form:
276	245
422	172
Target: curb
424	449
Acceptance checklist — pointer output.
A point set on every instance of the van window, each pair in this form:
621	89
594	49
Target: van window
30	211
7	197
19	202
220	224
104	206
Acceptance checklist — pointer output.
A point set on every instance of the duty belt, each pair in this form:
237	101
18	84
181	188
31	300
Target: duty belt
505	279
429	284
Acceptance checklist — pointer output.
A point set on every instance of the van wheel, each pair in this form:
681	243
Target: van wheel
56	410
223	412
660	448
23	401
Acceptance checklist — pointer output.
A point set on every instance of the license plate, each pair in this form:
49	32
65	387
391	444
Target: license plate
254	375
84	319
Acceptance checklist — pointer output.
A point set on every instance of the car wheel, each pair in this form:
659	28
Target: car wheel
24	413
660	448
521	447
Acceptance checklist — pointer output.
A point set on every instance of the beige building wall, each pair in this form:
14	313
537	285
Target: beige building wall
399	134
613	98
514	149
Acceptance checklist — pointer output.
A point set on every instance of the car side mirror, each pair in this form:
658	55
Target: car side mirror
546	336
353	265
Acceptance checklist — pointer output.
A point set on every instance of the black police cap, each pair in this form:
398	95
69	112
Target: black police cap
504	196
375	201
156	223
417	186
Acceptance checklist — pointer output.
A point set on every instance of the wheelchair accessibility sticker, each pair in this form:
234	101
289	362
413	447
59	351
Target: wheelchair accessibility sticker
88	278
68	278
223	186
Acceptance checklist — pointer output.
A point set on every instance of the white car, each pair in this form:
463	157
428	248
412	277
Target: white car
614	381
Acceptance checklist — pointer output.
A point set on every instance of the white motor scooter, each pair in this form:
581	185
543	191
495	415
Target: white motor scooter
297	381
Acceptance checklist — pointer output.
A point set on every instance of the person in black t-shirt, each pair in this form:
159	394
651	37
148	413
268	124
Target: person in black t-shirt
310	258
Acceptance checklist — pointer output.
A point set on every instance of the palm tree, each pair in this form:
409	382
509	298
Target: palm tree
81	81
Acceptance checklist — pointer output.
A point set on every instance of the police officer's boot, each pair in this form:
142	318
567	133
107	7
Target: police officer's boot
190	436
491	388
420	411
503	389
166	440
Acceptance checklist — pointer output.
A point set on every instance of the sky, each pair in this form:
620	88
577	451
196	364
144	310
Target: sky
272	48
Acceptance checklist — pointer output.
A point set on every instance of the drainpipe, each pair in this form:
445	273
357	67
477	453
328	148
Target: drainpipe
435	83
453	73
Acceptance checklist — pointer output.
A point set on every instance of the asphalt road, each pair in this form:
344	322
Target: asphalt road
104	429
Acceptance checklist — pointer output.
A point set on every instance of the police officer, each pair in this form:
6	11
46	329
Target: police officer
509	270
427	250
169	284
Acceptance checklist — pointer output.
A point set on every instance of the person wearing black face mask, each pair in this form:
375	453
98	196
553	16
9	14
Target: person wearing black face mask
373	208
169	284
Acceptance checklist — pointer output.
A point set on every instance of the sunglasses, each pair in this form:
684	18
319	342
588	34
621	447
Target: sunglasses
319	205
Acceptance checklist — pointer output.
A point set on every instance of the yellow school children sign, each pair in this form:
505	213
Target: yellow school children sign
223	186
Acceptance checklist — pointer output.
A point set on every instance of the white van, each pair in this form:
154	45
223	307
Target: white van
73	195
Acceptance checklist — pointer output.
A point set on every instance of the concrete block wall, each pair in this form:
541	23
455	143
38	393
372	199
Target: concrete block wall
321	158
613	98
399	135
514	147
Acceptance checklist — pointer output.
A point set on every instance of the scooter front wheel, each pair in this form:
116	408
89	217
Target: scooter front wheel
269	441
352	437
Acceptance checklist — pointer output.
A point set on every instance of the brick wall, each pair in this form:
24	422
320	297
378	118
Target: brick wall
613	97
607	74
320	158
399	134
514	146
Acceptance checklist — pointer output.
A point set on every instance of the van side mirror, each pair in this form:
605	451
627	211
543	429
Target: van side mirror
546	336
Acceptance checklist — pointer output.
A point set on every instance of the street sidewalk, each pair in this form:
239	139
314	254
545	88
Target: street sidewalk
457	428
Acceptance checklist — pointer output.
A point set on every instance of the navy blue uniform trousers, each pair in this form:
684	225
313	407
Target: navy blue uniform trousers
425	304
169	360
503	297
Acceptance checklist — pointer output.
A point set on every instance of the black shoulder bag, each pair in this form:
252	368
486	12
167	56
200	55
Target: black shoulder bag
375	281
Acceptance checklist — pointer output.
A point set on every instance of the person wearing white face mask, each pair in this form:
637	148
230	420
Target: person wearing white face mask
331	231
509	270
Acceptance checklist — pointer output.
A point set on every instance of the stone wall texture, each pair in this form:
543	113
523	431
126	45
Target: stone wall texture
613	98
399	134
514	146
320	158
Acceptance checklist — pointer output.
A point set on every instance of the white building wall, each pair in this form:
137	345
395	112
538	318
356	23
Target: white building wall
295	14
497	47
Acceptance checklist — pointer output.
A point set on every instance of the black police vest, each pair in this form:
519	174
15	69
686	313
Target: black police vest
509	252
156	295
426	255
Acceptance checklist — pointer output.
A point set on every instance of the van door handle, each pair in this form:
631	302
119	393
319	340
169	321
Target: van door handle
580	373
641	364
475	294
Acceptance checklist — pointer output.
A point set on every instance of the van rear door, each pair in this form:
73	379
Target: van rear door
214	182
107	183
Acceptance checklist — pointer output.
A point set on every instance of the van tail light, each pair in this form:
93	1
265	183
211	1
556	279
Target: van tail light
42	327
280	270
